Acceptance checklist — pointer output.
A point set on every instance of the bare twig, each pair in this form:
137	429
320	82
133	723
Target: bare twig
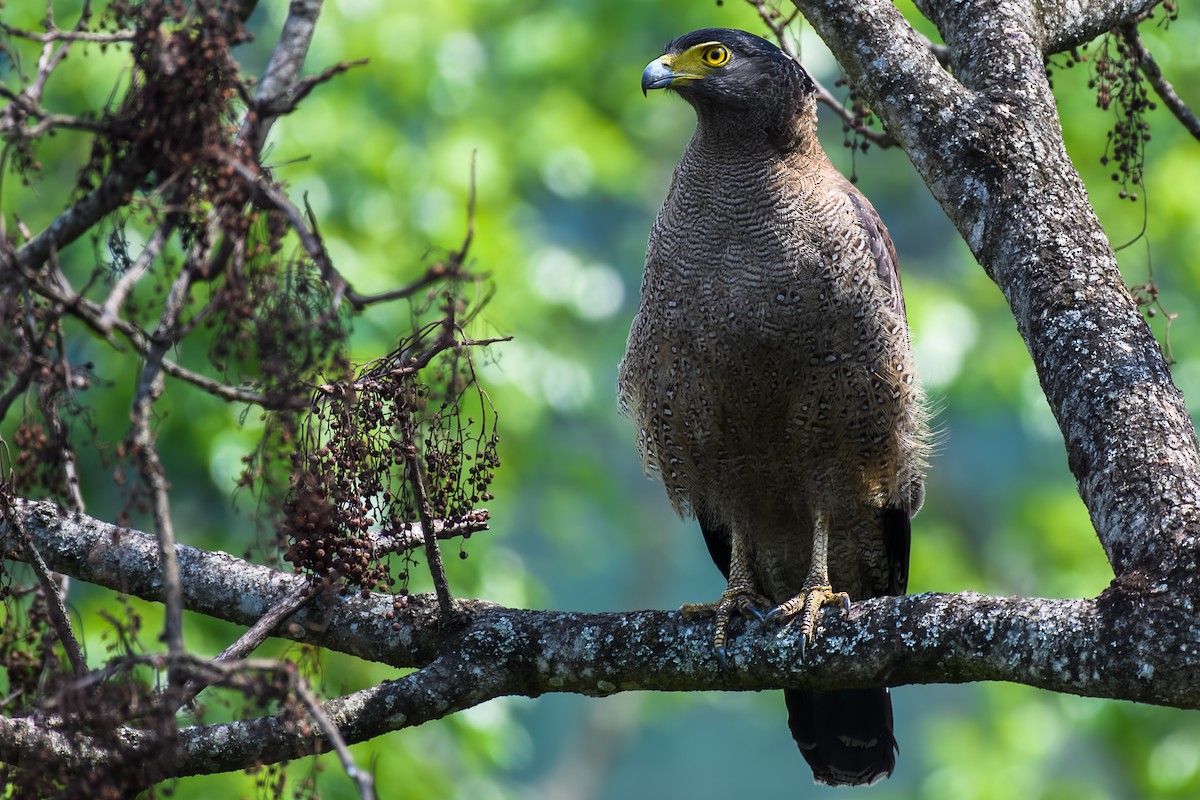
280	106
56	35
366	784
145	452
777	22
259	632
54	602
260	182
250	640
1162	87
412	535
20	384
116	297
52	57
67	453
233	674
433	553
21	106
91	313
436	273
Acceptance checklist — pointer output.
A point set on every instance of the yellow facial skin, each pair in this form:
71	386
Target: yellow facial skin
693	64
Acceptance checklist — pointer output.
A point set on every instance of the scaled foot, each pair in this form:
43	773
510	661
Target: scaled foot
807	605
744	602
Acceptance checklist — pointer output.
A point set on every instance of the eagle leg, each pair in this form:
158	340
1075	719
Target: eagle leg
816	592
740	596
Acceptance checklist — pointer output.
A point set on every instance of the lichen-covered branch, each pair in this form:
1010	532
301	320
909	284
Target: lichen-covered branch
1070	23
1135	641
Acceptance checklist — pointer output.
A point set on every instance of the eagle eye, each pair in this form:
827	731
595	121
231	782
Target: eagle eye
716	55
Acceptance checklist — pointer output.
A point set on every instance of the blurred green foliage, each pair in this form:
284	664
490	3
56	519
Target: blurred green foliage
572	163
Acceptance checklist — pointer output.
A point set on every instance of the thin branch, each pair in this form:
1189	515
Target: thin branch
262	184
281	106
412	535
56	35
51	57
59	429
1162	87
54	602
366	784
258	633
124	285
433	553
446	686
777	22
92	314
434	274
20	384
46	120
250	640
145	453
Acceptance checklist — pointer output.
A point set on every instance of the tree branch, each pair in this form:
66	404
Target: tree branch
112	193
1070	23
1162	87
282	75
1134	642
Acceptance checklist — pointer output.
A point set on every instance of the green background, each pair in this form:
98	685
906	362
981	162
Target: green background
572	163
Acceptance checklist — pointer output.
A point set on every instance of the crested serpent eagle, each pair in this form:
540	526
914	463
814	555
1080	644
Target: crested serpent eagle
770	377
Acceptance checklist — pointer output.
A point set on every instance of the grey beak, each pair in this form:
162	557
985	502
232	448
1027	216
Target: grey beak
657	75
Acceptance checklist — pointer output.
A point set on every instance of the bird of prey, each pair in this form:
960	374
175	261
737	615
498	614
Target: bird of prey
769	373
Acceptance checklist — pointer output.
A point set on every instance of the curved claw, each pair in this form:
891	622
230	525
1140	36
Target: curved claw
758	614
803	645
722	656
772	615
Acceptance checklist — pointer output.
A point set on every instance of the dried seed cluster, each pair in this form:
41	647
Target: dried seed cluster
412	436
1120	85
177	118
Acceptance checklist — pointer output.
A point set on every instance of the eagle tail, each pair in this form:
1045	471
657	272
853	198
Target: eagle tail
844	735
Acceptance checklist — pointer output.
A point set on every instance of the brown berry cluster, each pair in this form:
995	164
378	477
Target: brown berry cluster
410	438
1120	85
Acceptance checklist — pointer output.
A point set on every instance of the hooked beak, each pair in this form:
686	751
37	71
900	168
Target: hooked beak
658	74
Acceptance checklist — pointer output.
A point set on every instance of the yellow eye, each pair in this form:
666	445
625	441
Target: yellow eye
716	56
